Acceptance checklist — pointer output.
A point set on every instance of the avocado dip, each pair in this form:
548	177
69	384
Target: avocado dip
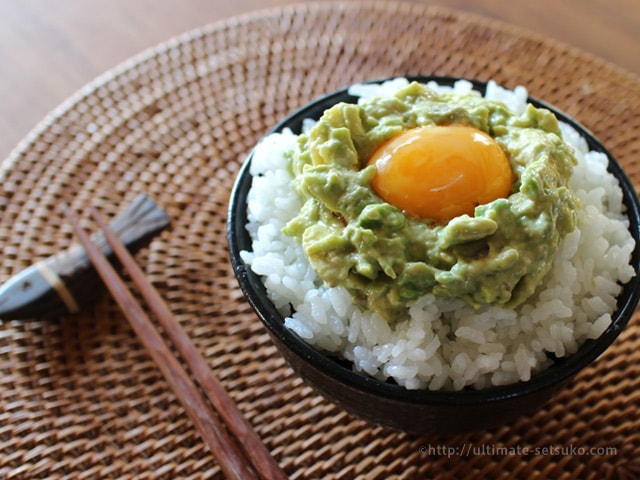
386	258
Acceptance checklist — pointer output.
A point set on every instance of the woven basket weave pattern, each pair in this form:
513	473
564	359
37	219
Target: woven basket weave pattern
80	398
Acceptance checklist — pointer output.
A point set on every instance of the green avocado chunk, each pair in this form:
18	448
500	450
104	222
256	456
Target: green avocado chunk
385	258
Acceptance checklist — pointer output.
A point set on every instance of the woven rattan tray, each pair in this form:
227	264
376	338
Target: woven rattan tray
80	398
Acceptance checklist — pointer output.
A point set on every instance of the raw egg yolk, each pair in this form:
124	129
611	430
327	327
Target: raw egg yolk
441	172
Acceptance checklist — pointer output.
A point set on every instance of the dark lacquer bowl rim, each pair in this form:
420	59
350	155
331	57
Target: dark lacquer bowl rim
562	370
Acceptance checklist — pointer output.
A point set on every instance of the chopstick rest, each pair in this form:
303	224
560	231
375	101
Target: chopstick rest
65	282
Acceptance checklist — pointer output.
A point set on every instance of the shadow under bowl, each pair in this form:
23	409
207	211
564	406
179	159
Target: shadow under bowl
386	403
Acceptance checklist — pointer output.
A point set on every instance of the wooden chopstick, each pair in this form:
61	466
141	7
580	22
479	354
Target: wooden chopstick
246	459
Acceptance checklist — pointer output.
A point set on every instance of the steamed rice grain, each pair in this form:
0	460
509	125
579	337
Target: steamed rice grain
446	344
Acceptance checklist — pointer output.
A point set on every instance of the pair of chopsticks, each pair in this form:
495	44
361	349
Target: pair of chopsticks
216	416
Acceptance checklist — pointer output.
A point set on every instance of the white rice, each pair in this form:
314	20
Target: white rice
446	344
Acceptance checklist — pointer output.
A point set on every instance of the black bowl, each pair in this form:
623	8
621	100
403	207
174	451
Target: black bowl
386	403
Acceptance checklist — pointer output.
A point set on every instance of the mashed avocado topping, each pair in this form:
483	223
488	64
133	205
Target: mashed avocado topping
384	257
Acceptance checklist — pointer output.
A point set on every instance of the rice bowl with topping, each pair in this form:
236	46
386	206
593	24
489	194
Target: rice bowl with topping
444	343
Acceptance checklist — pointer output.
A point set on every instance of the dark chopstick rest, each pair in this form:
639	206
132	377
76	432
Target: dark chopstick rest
247	458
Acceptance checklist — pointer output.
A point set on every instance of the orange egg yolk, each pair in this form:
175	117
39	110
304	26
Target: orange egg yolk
441	172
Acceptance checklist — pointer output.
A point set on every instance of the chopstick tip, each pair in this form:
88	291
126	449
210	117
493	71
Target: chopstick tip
97	216
66	210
